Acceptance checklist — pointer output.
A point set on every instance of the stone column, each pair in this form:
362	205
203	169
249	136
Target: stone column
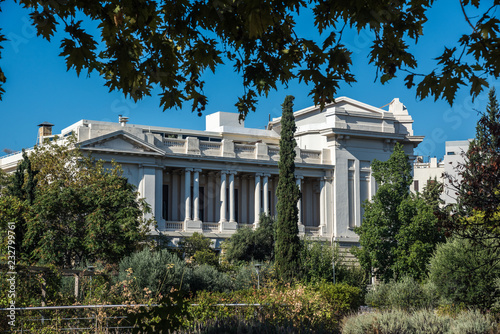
257	200
187	194
265	190
223	197
196	194
224	224
298	181
158	212
322	207
231	197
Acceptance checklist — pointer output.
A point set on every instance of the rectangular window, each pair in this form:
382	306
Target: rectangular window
415	185
165	202
201	204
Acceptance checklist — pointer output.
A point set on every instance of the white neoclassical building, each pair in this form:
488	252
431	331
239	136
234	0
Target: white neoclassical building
218	180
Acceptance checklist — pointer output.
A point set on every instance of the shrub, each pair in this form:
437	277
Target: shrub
245	276
406	294
359	324
298	308
343	297
428	322
252	245
198	247
159	271
393	322
206	277
465	274
420	322
317	258
472	322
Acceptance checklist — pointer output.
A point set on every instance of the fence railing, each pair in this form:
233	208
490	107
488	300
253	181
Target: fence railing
78	318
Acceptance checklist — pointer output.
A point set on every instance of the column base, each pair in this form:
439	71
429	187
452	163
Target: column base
228	226
302	229
193	226
322	230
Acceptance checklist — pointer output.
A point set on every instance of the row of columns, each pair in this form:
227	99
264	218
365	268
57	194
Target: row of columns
223	195
261	183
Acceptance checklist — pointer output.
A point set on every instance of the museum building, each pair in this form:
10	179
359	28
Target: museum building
221	179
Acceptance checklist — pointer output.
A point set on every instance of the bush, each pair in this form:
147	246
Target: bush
159	271
420	322
299	308
206	277
343	297
198	248
252	245
317	258
465	274
245	276
473	322
428	322
406	294
359	324
393	322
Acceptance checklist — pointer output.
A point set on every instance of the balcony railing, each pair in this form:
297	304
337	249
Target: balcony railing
312	230
173	226
210	227
227	148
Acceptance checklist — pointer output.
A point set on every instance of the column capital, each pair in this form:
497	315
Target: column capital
259	174
266	175
299	177
197	170
188	169
232	172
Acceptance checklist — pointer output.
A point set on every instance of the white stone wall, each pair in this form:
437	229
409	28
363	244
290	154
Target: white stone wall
214	185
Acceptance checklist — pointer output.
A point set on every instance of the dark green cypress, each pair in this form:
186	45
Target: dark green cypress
287	245
488	125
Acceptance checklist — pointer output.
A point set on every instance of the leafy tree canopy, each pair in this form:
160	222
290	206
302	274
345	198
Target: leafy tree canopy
76	211
464	273
399	230
476	215
140	44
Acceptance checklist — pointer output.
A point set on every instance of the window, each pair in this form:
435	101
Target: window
165	202
415	185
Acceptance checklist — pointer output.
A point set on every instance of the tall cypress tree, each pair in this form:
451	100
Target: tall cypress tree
488	127
287	245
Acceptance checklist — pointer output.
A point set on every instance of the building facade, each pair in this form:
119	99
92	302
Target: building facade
448	166
218	180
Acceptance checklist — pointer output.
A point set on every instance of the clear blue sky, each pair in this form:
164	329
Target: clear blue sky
39	89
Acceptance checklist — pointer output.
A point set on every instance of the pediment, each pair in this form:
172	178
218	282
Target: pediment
351	105
342	105
121	142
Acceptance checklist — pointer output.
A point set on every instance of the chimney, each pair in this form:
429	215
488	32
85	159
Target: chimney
123	120
44	130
